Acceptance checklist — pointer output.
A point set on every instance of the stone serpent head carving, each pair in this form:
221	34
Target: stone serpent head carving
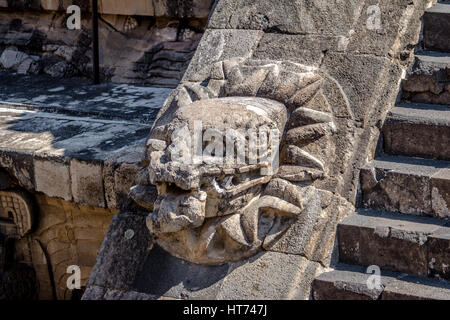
227	153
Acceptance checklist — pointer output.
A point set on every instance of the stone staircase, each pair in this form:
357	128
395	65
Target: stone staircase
403	227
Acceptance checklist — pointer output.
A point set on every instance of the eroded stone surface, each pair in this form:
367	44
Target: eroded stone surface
87	183
418	131
440	193
269	275
348	283
322	211
230	192
53	179
227	44
439	253
335	101
436	20
64	234
427	79
404	185
394	242
121	258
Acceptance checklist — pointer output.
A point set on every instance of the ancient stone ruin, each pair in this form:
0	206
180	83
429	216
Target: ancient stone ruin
234	150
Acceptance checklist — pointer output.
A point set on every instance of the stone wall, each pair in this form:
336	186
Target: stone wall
149	47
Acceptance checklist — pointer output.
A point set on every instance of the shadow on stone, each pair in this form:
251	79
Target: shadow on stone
166	275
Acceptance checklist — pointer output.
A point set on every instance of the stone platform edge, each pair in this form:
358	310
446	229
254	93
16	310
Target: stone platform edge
97	183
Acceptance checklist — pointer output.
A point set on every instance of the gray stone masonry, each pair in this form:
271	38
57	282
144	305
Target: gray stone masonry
72	140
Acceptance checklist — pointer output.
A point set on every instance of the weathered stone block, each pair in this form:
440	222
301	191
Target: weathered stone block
348	283
20	166
269	275
123	178
119	172
53	178
87	183
440	193
227	44
431	63
362	78
422	83
304	49
386	241
122	253
164	275
352	283
436	25
118	179
401	184
439	253
418	131
381	27
287	16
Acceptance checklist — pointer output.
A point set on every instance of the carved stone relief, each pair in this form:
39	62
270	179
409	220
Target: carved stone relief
16	211
212	210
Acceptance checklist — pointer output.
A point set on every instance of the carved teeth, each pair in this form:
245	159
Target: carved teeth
227	182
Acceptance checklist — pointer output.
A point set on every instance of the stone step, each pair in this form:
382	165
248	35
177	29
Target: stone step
418	130
408	185
430	62
395	242
428	79
354	283
436	23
